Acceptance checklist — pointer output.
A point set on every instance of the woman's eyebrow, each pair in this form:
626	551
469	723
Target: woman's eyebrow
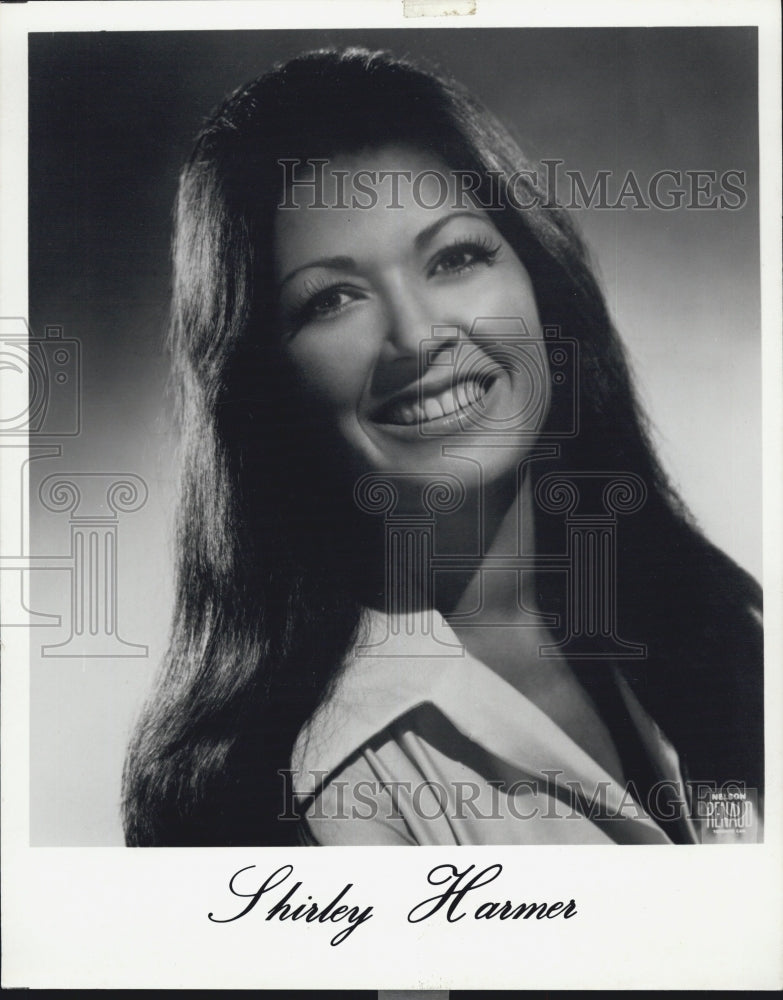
429	232
334	263
342	263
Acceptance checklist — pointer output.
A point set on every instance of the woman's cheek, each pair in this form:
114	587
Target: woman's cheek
502	293
512	296
332	368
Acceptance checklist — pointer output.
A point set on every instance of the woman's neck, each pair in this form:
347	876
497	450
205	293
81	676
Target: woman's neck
450	562
486	592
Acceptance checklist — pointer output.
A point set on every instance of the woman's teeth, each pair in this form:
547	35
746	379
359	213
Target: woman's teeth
449	401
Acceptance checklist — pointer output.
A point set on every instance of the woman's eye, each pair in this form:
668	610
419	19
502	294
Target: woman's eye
325	303
464	256
329	301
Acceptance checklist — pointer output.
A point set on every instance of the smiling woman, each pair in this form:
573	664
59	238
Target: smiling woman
353	324
434	586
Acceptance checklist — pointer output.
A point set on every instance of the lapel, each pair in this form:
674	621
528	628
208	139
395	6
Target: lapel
374	689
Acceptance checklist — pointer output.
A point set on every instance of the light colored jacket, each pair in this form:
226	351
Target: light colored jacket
421	743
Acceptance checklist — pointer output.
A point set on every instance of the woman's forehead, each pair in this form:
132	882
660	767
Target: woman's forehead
330	181
372	196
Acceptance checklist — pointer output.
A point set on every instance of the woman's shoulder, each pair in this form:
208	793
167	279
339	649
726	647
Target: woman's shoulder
391	671
421	782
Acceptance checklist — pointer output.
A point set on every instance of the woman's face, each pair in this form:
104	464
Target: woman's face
408	328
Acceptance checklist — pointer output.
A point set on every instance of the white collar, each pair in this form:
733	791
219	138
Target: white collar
417	659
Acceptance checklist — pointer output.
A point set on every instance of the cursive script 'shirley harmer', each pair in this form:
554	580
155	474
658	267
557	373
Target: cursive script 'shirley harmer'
449	902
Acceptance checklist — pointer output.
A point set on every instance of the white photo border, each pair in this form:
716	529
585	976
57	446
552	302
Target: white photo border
112	917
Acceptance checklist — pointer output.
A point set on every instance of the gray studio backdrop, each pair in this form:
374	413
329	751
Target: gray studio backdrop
112	116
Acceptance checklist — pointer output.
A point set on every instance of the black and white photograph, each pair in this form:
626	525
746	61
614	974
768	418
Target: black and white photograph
389	460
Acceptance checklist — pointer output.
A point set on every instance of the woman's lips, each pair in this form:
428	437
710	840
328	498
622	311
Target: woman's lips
445	406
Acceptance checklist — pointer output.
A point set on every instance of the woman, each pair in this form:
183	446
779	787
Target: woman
375	638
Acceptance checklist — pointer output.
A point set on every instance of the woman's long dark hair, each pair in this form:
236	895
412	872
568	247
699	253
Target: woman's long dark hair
265	611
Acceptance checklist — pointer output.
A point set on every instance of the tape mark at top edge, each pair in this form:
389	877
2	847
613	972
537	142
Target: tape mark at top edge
438	8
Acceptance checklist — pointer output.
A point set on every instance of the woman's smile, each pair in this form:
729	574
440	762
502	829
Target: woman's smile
377	310
433	403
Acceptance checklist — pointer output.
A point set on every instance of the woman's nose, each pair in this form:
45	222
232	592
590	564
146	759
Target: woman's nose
409	319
